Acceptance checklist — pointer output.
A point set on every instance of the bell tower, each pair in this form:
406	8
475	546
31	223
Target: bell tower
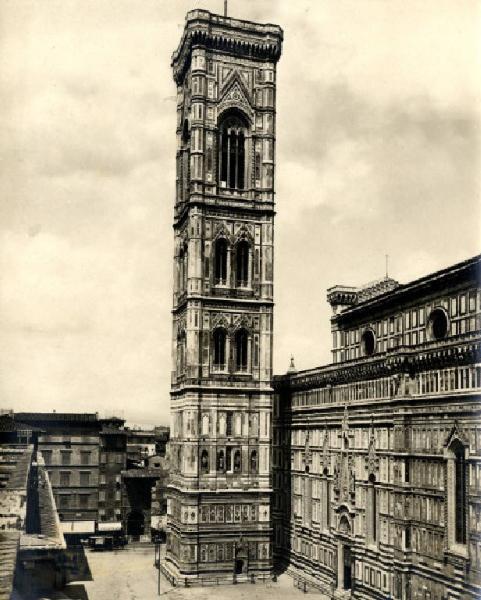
221	395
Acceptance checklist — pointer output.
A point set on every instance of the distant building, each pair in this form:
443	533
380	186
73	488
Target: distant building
113	459
377	457
84	454
142	443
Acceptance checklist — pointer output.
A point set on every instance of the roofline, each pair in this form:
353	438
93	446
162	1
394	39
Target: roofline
411	286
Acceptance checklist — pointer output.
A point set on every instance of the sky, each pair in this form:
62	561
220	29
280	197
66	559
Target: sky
378	152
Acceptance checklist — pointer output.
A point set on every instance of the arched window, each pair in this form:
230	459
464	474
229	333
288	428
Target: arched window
254	461
181	352
185	160
220	261
205	424
237	461
219	339
232	137
368	342
326	501
242	263
228	424
438	324
220	461
457	493
204	461
183	269
241	345
185	132
460	476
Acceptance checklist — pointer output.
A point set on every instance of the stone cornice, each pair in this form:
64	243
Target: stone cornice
465	272
461	350
244	38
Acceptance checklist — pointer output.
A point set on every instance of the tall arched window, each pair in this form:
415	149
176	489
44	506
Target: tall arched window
220	461
242	263
457	493
232	137
237	461
254	461
219	339
241	346
181	350
460	496
326	501
183	269
220	261
204	461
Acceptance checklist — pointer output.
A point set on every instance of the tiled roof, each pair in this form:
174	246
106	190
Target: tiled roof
8	557
55	416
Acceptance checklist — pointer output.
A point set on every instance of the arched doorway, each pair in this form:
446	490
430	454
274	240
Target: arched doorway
135	524
345	559
240	558
239	566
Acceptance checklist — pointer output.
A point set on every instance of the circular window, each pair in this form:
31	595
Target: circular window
368	342
438	324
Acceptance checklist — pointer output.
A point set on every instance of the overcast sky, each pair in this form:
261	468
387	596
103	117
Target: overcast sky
378	153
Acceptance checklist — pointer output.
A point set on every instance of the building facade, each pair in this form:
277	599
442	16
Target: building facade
69	443
112	461
377	457
84	456
219	505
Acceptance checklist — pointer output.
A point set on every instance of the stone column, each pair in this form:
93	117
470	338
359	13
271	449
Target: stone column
340	565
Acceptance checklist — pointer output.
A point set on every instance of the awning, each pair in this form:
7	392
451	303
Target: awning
78	526
115	526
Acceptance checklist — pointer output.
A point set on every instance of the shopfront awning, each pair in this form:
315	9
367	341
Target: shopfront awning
115	526
78	526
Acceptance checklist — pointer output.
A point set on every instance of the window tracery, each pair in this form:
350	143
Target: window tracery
241	349
220	261
219	341
232	141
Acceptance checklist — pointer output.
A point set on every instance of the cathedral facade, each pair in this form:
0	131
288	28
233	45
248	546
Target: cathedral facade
377	456
221	394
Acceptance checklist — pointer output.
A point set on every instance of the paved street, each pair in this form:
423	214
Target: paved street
129	575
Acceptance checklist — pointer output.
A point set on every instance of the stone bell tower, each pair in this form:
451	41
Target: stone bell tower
221	396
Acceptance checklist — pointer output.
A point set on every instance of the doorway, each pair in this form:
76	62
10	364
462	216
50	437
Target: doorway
347	568
239	566
135	524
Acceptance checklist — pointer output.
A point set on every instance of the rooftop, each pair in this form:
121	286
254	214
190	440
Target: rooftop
15	460
256	40
348	302
55	416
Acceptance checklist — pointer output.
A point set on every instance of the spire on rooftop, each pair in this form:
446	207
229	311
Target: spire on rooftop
292	366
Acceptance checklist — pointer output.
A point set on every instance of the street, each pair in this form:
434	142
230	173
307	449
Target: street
130	575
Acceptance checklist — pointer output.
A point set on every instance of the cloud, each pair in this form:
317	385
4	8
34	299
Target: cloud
378	152
364	159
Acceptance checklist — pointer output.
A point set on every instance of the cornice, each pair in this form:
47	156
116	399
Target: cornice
464	350
232	36
216	203
463	273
